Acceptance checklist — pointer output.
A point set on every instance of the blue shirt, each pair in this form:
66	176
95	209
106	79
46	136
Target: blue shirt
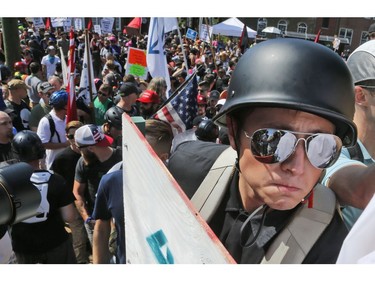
110	204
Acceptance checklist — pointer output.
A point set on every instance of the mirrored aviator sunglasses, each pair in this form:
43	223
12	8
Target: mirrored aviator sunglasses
275	146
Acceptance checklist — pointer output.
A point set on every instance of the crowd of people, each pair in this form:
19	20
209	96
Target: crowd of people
261	104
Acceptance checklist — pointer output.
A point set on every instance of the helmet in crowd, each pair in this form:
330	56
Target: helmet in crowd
20	66
5	73
207	130
58	99
27	146
113	117
295	74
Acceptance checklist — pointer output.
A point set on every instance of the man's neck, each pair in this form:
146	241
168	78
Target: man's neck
60	113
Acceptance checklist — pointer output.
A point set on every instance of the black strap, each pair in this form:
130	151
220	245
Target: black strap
52	128
355	153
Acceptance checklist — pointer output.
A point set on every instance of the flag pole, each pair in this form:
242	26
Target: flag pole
212	50
87	43
183	50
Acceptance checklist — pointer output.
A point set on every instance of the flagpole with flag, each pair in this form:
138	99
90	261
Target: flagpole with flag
89	24
209	35
87	89
317	36
64	68
244	40
155	56
72	107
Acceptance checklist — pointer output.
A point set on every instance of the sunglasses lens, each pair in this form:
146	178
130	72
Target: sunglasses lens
274	146
323	150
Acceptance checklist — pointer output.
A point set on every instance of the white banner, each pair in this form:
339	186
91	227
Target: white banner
205	32
161	224
97	29
64	22
156	59
84	85
106	25
38	23
78	24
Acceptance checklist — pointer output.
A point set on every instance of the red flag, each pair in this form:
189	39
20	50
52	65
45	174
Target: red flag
317	36
89	24
48	23
244	40
72	107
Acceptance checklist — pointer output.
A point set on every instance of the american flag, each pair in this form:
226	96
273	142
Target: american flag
181	108
96	134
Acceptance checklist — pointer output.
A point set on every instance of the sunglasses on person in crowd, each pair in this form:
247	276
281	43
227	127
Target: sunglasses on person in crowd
275	146
102	94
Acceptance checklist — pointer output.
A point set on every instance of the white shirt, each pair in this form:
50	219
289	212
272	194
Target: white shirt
44	134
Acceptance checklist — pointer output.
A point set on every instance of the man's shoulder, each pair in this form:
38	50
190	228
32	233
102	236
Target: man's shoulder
204	148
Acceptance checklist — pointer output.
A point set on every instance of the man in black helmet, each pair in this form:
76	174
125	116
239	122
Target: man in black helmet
43	238
113	125
286	127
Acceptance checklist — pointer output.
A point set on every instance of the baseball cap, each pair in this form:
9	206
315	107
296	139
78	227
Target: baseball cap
127	89
198	119
91	134
17	84
361	64
214	95
221	102
201	99
51	48
45	87
371	29
149	96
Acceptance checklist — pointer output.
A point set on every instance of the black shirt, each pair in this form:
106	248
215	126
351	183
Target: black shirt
230	217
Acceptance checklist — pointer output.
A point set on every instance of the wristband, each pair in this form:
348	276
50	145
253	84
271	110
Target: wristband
89	219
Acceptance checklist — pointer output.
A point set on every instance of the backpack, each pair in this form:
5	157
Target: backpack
52	127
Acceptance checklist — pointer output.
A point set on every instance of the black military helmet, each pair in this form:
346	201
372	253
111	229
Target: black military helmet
113	117
207	130
296	74
27	146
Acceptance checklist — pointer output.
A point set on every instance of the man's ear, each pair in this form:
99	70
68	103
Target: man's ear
360	96
232	129
106	128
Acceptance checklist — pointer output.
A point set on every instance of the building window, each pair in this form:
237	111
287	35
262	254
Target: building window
346	33
283	26
96	21
262	24
364	37
302	27
325	23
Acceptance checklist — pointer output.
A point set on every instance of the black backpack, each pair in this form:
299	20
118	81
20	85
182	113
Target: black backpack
52	127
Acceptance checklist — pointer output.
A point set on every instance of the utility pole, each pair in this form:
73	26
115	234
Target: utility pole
12	49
